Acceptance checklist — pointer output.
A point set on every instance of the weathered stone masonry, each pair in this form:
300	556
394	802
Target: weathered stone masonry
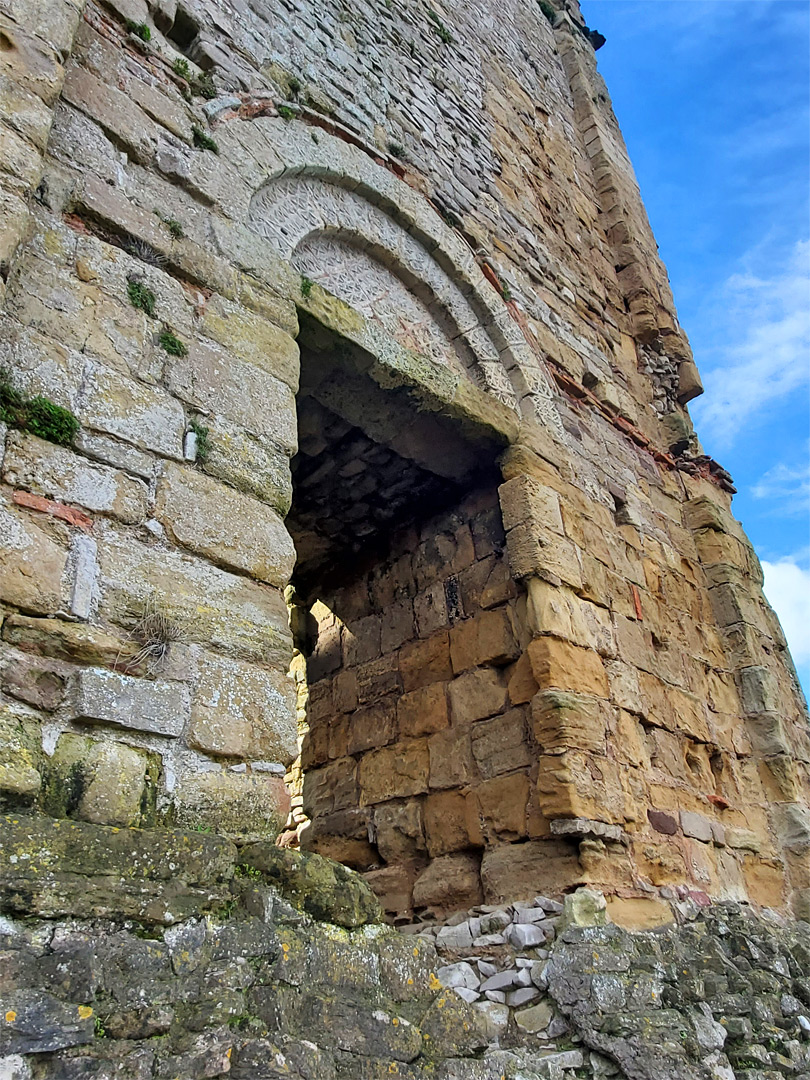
379	382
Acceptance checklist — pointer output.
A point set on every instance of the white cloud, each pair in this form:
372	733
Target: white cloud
787	487
787	586
762	324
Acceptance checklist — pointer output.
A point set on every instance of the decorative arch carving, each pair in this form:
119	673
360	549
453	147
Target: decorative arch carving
372	241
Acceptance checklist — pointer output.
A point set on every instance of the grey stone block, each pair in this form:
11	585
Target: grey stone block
142	705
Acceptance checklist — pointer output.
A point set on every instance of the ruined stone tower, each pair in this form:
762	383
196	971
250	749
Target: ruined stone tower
381	522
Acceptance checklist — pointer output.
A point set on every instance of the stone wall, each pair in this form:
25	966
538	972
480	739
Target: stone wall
154	954
440	210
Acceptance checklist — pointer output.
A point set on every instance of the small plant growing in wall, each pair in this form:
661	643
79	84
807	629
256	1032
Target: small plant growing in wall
180	68
140	296
548	11
171	343
204	87
39	415
398	150
173	225
203	437
306	286
439	27
203	141
154	631
294	86
140	30
506	292
285	112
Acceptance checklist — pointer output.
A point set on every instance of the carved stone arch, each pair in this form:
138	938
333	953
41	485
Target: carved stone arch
373	242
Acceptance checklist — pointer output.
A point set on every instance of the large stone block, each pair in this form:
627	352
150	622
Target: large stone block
522	871
32	563
525	501
576	784
104	782
249	463
476	695
143	415
221	610
20	756
563	666
242	710
59	473
105	697
394	772
500	745
423	711
241	806
76	642
210	379
250	337
232	530
449	883
565	721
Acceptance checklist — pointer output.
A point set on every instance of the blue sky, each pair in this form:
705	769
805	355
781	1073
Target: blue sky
713	99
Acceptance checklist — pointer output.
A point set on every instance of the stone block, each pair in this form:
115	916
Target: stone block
240	806
223	611
78	643
449	883
564	666
759	690
519	871
639	913
103	782
106	697
250	337
423	662
209	379
576	784
248	462
241	710
489	638
564	721
372	727
20	756
499	745
394	772
706	513
423	711
446	817
525	501
476	695
114	111
393	886
502	804
342	836
59	473
36	681
399	831
32	563
534	552
232	530
696	826
334	787
663	823
145	416
80	869
451	760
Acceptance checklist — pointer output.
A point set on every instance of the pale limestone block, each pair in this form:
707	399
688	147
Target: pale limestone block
111	452
143	415
32	563
243	711
59	473
240	806
208	378
759	690
105	697
114	777
221	610
251	463
230	529
85	572
20	754
696	826
249	337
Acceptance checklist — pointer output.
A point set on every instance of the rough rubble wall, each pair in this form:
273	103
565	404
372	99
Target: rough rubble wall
159	219
178	956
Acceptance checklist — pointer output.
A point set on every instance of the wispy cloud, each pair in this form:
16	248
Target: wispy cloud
762	324
786	488
787	586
